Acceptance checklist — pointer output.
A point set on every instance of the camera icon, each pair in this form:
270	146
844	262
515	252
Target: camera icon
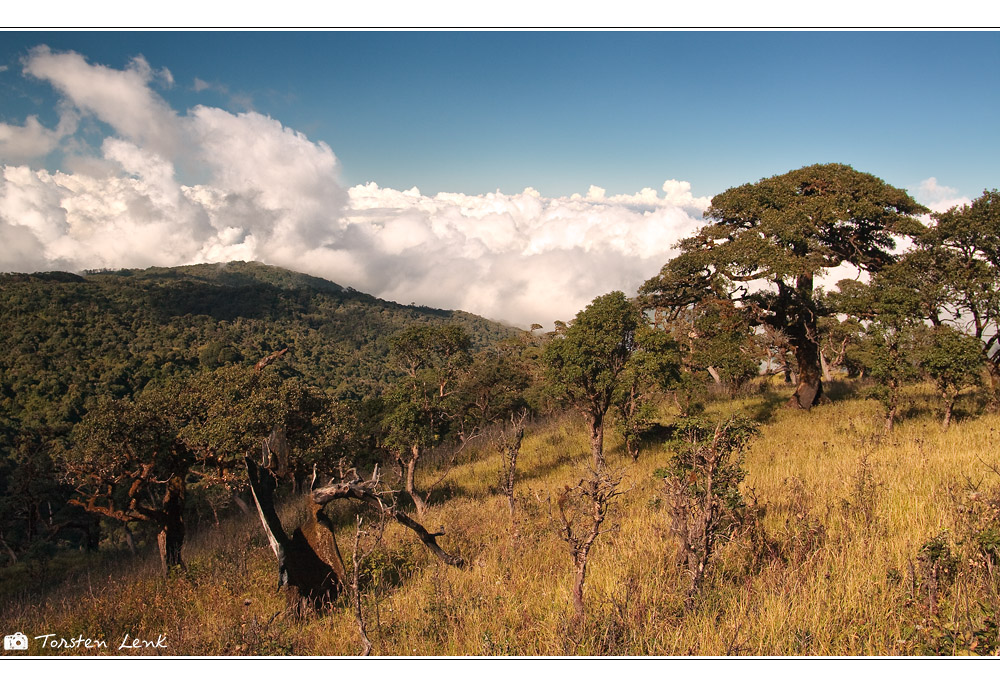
17	641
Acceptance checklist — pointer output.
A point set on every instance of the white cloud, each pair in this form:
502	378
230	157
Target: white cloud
268	193
33	140
121	98
520	257
937	197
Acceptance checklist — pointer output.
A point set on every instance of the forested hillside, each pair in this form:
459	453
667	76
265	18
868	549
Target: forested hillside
68	340
67	336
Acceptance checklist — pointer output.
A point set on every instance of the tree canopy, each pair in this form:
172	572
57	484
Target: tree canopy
586	362
767	242
960	268
137	459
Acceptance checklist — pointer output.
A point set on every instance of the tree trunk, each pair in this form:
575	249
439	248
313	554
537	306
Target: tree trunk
715	375
315	569
366	644
244	507
10	552
581	575
129	540
632	447
949	405
509	444
171	536
803	336
310	568
809	385
809	389
596	427
827	375
93	533
411	489
890	417
994	370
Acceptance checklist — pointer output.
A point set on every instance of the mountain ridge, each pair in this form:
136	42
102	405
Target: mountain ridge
113	331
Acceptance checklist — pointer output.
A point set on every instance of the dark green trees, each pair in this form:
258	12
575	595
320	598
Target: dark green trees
896	345
784	232
446	394
954	361
586	363
653	366
421	406
137	460
962	255
889	308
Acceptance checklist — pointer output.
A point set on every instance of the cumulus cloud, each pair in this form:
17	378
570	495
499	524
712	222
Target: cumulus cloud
939	198
268	193
521	257
121	98
32	139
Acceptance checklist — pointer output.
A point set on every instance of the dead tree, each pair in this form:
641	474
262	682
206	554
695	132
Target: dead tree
10	552
359	556
703	494
365	491
586	504
310	567
269	359
506	440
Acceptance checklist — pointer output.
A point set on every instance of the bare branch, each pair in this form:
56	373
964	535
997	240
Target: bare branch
366	493
268	360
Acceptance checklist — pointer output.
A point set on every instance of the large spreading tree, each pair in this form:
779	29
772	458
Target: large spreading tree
137	460
767	243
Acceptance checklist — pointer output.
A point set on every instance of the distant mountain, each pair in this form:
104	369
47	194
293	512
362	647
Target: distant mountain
66	338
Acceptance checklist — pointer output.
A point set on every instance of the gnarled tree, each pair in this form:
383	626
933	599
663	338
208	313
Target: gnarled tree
137	460
129	464
310	567
782	233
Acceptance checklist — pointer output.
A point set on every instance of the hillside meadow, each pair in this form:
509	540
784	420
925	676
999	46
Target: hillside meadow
858	544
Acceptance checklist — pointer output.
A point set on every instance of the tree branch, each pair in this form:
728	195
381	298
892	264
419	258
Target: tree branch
365	492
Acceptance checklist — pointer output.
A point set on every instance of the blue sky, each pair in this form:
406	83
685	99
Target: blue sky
476	112
550	167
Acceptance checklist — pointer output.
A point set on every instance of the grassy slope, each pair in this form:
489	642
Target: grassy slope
847	513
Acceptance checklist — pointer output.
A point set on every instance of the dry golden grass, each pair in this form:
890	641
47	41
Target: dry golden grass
845	511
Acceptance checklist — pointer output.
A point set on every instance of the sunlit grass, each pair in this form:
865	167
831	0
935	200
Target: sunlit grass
845	507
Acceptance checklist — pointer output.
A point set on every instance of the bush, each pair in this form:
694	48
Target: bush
703	490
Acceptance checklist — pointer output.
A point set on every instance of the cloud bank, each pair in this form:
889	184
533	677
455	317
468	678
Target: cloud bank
266	192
